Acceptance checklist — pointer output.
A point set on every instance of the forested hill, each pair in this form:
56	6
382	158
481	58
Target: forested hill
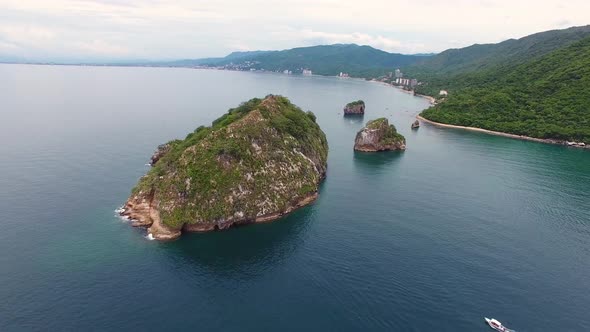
485	56
358	61
547	97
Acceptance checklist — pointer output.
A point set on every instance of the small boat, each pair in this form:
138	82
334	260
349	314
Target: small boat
496	325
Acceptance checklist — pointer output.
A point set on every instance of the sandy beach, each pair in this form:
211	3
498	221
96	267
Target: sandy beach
498	133
431	99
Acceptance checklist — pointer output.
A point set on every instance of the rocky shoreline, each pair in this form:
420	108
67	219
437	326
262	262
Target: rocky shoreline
146	215
498	133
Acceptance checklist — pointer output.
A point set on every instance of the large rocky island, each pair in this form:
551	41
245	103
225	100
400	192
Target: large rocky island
379	135
256	163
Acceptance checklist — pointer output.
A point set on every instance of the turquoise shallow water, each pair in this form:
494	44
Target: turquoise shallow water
460	226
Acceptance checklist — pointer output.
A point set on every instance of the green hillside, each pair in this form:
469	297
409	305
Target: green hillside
358	61
547	97
458	68
509	52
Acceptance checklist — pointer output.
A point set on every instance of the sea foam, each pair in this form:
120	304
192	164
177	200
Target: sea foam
118	212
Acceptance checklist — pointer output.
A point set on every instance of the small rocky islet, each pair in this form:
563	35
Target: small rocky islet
379	135
254	164
354	108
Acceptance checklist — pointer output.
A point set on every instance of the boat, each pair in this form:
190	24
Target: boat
496	325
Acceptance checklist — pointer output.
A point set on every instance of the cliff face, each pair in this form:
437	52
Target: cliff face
254	164
379	135
160	152
355	108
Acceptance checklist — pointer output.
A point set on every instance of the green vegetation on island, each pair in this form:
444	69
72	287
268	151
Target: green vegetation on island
255	163
379	135
391	135
355	103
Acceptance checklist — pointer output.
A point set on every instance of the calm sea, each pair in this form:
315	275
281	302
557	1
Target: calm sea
458	227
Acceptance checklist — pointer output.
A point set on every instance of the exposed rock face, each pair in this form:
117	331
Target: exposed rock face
160	152
416	124
379	135
355	108
256	163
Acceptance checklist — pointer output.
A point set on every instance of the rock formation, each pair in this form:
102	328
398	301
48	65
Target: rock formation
161	151
379	135
416	124
256	163
355	108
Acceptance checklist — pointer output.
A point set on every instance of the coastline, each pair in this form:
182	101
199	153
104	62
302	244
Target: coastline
499	133
432	100
429	98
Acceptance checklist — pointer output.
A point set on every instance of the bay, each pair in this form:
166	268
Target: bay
460	226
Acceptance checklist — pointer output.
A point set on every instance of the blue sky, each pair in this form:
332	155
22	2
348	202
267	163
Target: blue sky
91	30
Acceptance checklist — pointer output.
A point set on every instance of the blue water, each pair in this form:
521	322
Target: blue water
460	226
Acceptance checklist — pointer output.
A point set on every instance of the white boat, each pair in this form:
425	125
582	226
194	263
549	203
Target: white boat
496	325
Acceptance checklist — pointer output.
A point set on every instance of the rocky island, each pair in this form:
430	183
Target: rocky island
379	135
355	108
416	124
256	163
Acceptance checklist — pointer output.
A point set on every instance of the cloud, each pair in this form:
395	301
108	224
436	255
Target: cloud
26	33
159	29
100	47
564	23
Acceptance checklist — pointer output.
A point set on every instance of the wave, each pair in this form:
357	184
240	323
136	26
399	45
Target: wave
118	213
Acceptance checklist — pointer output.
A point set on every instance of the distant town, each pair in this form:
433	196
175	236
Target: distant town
255	66
395	78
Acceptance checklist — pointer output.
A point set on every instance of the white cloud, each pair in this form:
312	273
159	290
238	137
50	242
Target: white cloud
184	28
100	47
26	33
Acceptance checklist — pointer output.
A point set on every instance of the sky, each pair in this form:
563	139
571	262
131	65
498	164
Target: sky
127	30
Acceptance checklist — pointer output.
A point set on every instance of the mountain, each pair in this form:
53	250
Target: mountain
359	61
234	56
547	96
11	59
509	52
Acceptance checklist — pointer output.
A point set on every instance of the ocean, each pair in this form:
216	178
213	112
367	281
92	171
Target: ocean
460	226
